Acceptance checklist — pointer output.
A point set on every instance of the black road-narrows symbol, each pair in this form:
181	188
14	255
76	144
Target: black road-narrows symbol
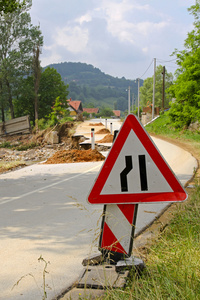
143	173
124	173
128	168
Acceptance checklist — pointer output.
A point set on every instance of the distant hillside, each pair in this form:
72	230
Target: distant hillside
93	87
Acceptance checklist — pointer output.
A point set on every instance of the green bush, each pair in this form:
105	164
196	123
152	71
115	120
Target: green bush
182	114
6	145
26	147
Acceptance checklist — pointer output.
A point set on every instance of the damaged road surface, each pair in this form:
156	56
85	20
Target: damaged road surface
44	212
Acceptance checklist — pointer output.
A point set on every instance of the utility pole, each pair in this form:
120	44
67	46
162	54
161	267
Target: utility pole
132	101
129	100
138	97
163	89
154	84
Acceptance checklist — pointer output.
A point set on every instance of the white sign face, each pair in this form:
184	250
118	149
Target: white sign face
133	157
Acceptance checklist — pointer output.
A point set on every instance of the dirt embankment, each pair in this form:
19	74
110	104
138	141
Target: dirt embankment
30	148
74	156
39	139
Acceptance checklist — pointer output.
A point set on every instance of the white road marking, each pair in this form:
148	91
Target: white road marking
11	199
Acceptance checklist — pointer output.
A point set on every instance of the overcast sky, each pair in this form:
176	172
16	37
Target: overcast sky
121	37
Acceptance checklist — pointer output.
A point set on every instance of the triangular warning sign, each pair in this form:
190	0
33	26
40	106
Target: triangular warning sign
135	171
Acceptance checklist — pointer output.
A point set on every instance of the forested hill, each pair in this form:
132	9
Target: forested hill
91	85
84	74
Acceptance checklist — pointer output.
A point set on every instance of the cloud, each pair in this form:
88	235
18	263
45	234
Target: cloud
53	57
73	39
119	24
85	18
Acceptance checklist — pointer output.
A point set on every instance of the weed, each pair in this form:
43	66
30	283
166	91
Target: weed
44	276
6	166
26	146
17	283
20	147
44	295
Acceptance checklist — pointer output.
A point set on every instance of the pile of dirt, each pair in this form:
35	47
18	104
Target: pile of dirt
96	124
103	131
107	139
74	156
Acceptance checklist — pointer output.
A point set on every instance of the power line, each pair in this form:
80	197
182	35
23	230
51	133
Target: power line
159	60
162	60
147	69
172	65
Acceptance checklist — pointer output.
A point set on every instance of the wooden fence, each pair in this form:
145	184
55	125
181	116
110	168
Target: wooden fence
14	126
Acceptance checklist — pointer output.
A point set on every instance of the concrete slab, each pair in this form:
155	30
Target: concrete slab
75	294
102	277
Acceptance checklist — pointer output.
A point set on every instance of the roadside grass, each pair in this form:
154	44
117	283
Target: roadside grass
7	166
173	258
162	126
20	147
27	146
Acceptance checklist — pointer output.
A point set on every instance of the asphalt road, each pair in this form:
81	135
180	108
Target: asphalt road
43	211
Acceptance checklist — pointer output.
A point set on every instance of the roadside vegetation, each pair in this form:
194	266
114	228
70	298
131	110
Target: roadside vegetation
164	127
7	166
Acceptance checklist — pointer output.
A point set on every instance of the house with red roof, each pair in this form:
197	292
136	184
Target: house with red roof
117	113
75	107
91	111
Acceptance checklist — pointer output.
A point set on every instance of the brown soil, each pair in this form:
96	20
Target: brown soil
103	131
74	156
96	124
107	139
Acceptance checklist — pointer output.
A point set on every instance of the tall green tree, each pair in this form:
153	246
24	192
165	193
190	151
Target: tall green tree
17	40
146	91
186	88
24	102
9	6
51	87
